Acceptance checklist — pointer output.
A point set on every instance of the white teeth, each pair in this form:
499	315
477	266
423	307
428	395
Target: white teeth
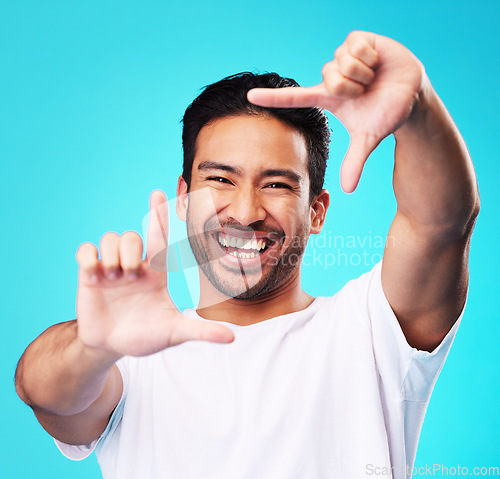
226	240
239	255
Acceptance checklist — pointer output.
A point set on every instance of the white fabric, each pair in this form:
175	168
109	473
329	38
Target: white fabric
333	391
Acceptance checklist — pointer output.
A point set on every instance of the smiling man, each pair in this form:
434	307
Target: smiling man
278	384
249	242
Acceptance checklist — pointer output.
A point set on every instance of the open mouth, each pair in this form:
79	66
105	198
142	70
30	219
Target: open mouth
243	248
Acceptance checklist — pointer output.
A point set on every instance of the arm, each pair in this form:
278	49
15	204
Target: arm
377	87
438	201
71	388
68	374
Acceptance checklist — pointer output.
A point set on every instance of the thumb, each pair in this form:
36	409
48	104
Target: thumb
360	148
184	329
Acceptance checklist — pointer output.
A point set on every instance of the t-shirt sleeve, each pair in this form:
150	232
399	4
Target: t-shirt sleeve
80	452
405	371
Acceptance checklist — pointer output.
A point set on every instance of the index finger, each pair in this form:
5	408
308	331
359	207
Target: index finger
289	97
157	241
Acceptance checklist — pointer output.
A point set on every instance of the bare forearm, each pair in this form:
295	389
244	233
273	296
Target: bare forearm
434	179
57	374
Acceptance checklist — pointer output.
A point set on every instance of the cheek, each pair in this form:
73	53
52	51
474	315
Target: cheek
211	201
196	219
203	206
291	213
220	198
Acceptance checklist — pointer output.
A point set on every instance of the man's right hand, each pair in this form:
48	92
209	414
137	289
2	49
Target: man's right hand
123	305
67	375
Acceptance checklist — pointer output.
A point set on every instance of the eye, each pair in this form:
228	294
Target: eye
277	185
219	179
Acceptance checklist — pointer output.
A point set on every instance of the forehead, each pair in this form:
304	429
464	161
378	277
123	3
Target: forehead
251	142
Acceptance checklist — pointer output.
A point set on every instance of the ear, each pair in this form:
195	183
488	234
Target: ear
319	208
182	199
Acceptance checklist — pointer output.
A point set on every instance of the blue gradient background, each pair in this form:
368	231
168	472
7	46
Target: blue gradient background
91	95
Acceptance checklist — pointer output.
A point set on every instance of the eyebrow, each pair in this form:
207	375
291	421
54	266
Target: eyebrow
214	165
291	175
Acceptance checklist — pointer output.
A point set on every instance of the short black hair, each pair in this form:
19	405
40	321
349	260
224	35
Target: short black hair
228	97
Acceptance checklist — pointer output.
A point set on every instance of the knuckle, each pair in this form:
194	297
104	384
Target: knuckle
358	49
352	68
131	268
338	52
349	67
334	85
369	74
343	87
355	35
328	66
351	35
131	265
355	91
329	69
110	262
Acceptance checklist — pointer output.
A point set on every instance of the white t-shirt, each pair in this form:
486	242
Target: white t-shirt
333	391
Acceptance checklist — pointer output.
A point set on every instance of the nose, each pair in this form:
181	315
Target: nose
246	207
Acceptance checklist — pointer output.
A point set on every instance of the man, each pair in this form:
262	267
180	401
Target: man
304	387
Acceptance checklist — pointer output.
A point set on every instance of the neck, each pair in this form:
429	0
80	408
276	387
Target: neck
287	298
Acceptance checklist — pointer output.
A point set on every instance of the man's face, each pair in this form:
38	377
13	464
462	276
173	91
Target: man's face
255	169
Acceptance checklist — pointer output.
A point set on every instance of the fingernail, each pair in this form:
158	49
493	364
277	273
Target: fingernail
94	278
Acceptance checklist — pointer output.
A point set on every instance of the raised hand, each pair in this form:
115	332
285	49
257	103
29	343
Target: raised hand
123	305
371	86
